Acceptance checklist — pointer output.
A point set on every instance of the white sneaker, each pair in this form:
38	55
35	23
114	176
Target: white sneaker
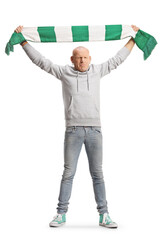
58	220
106	221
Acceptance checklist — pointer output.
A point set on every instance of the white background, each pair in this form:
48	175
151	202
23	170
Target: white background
32	127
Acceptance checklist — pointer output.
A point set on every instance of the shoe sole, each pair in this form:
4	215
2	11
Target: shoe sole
56	225
108	226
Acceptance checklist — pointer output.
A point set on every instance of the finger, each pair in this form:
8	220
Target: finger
135	28
19	29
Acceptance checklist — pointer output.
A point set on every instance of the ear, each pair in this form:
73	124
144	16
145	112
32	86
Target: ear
90	59
71	59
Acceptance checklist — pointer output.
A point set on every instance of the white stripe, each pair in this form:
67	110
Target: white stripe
63	34
31	33
127	31
97	33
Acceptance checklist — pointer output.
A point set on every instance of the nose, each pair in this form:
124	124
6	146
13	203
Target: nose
82	59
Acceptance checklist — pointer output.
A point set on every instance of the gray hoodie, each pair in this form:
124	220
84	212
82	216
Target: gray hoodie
81	90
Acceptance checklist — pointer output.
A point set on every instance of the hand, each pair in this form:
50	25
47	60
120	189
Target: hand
135	28
18	29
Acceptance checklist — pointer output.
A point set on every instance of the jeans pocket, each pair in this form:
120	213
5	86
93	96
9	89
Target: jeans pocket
97	129
70	129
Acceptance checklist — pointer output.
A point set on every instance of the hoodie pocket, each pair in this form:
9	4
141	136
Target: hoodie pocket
83	106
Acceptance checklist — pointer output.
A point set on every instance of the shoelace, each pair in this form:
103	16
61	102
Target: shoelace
108	219
58	217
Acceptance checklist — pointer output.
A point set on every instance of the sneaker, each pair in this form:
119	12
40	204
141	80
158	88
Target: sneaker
105	221
58	220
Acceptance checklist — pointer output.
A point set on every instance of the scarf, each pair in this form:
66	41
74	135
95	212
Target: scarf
143	40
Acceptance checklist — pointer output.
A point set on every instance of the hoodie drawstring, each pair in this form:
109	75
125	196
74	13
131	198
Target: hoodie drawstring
87	80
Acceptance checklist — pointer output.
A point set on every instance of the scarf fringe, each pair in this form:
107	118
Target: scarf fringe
145	42
149	47
9	48
16	38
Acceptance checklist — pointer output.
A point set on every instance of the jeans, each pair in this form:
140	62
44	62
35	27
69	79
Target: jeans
92	138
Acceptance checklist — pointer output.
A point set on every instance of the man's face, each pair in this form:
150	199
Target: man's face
81	59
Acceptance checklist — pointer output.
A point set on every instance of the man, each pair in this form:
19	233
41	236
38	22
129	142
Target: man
81	96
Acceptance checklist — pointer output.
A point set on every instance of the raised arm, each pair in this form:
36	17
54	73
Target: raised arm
40	60
106	67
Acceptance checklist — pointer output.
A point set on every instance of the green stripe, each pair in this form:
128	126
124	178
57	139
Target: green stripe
80	33
47	34
113	32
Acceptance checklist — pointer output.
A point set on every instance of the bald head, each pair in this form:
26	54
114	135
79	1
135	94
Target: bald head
81	59
79	49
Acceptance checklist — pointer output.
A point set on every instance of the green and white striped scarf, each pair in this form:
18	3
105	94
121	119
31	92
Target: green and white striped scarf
89	33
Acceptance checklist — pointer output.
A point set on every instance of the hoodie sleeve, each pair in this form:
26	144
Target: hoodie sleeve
42	62
106	67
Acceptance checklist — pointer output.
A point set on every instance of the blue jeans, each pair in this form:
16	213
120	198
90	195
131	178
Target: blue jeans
92	138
